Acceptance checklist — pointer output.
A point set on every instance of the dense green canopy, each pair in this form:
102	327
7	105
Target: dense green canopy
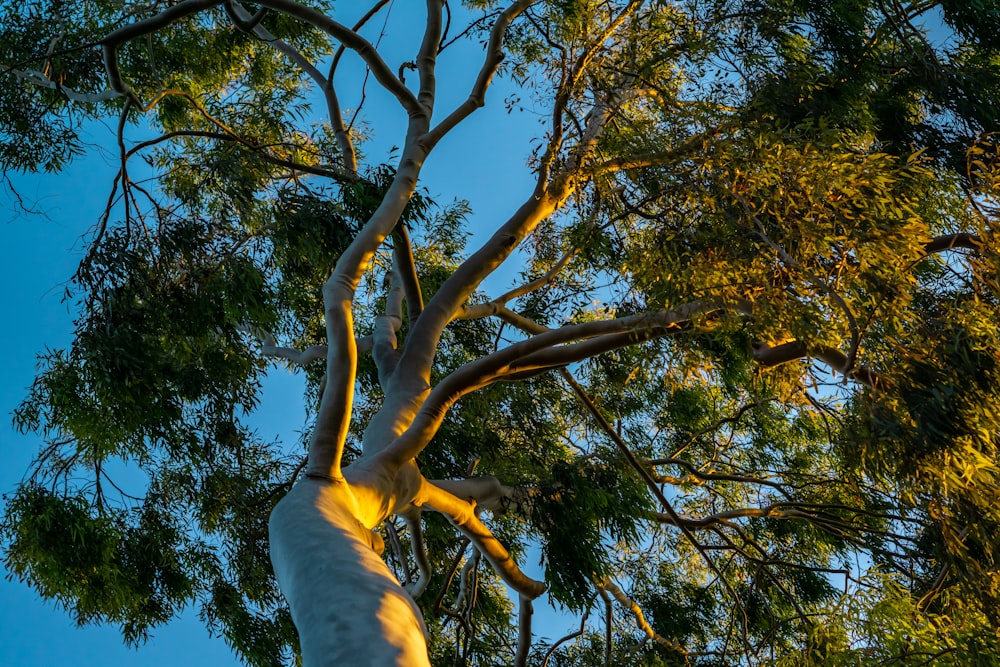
766	431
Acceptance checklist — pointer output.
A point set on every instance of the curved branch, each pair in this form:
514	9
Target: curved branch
652	159
419	550
386	326
300	357
427	55
519	358
485	492
259	149
116	38
462	515
241	17
477	97
776	355
962	240
640	619
562	640
39	79
421	344
407	268
352	40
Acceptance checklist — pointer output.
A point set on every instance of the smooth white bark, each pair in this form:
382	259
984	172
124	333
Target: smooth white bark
349	609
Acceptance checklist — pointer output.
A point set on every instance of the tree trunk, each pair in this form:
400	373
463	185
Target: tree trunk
348	607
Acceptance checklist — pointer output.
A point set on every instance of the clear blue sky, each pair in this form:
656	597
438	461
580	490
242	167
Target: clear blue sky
483	161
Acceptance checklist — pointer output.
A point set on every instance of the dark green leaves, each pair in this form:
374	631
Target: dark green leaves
580	514
109	565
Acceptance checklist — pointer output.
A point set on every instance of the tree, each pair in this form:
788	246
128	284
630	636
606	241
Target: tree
741	394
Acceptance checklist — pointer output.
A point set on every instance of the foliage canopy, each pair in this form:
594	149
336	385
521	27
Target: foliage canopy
742	394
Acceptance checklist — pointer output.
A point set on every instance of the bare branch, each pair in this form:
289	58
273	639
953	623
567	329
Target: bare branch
768	356
462	515
521	358
480	310
962	240
566	88
477	97
525	611
640	618
313	353
352	40
421	344
241	17
407	269
419	550
486	492
427	55
386	326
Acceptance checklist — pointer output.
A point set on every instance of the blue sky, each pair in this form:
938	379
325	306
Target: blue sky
483	161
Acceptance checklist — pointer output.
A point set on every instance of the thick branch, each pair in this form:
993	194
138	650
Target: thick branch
485	492
462	515
768	356
427	55
386	326
421	344
519	358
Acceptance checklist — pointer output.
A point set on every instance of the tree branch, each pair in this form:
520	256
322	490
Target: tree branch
419	550
519	358
427	55
421	345
386	326
640	618
462	515
352	40
407	269
525	612
301	358
955	241
477	97
769	356
652	159
241	17
487	493
39	79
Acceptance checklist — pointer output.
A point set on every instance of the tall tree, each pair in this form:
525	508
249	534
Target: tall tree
731	366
